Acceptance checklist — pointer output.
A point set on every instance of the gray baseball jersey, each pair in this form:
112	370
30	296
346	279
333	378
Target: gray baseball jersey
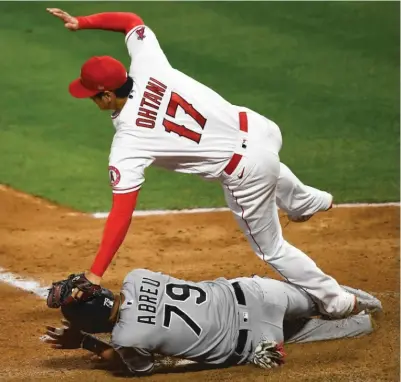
202	321
164	315
197	321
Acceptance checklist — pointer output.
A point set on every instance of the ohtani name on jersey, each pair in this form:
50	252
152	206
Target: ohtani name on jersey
151	101
147	301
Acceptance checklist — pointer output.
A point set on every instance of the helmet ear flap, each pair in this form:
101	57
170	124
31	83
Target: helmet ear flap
91	316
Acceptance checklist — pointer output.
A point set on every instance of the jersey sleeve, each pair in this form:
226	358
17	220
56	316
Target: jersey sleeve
144	48
127	170
138	361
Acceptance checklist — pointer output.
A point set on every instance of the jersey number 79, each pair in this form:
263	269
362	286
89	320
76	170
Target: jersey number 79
185	291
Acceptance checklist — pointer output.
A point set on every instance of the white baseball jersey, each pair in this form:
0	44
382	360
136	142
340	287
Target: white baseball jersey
169	120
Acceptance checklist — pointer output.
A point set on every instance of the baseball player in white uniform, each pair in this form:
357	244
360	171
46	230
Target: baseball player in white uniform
218	322
165	118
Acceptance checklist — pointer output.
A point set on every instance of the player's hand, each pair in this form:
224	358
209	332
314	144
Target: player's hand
94	279
64	338
70	22
76	287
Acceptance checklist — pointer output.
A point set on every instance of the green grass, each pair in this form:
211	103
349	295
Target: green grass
326	72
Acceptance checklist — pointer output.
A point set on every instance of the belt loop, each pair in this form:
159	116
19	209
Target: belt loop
242	340
235	159
243	121
239	294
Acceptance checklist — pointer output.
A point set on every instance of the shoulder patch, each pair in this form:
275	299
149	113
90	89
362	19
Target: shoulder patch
114	176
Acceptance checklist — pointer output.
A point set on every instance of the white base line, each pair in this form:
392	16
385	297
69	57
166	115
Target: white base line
27	285
103	215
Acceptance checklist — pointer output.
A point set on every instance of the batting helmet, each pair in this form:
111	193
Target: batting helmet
91	316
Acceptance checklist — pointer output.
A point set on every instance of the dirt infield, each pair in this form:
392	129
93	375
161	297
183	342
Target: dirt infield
358	246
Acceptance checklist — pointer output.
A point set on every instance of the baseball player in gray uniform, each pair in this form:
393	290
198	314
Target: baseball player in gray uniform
222	322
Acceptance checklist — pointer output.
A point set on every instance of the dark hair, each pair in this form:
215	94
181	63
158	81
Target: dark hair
122	91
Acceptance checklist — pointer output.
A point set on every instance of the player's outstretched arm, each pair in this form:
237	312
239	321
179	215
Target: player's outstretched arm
68	338
114	233
112	21
84	286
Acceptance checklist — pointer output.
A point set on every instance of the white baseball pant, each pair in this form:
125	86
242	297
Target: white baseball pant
253	191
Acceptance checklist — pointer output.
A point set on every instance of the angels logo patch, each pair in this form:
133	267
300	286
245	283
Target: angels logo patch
140	33
114	176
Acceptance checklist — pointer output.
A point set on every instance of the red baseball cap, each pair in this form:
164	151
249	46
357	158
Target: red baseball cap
98	74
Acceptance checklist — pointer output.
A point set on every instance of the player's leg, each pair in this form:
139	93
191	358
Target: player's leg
294	308
299	330
296	302
253	203
297	199
316	329
276	301
250	193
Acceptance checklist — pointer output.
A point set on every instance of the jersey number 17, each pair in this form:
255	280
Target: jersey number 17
170	126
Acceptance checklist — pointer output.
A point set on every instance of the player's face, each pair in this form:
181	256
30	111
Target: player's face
105	101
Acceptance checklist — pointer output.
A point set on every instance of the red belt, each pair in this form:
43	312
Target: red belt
235	159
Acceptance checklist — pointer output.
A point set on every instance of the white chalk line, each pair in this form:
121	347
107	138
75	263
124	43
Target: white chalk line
26	284
103	215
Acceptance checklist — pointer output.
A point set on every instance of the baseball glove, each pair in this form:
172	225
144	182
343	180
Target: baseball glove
268	354
61	292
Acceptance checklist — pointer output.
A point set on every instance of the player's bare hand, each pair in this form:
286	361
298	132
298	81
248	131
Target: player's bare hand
64	338
94	279
70	22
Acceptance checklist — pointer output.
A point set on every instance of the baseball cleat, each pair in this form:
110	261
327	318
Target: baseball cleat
299	219
364	301
304	218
